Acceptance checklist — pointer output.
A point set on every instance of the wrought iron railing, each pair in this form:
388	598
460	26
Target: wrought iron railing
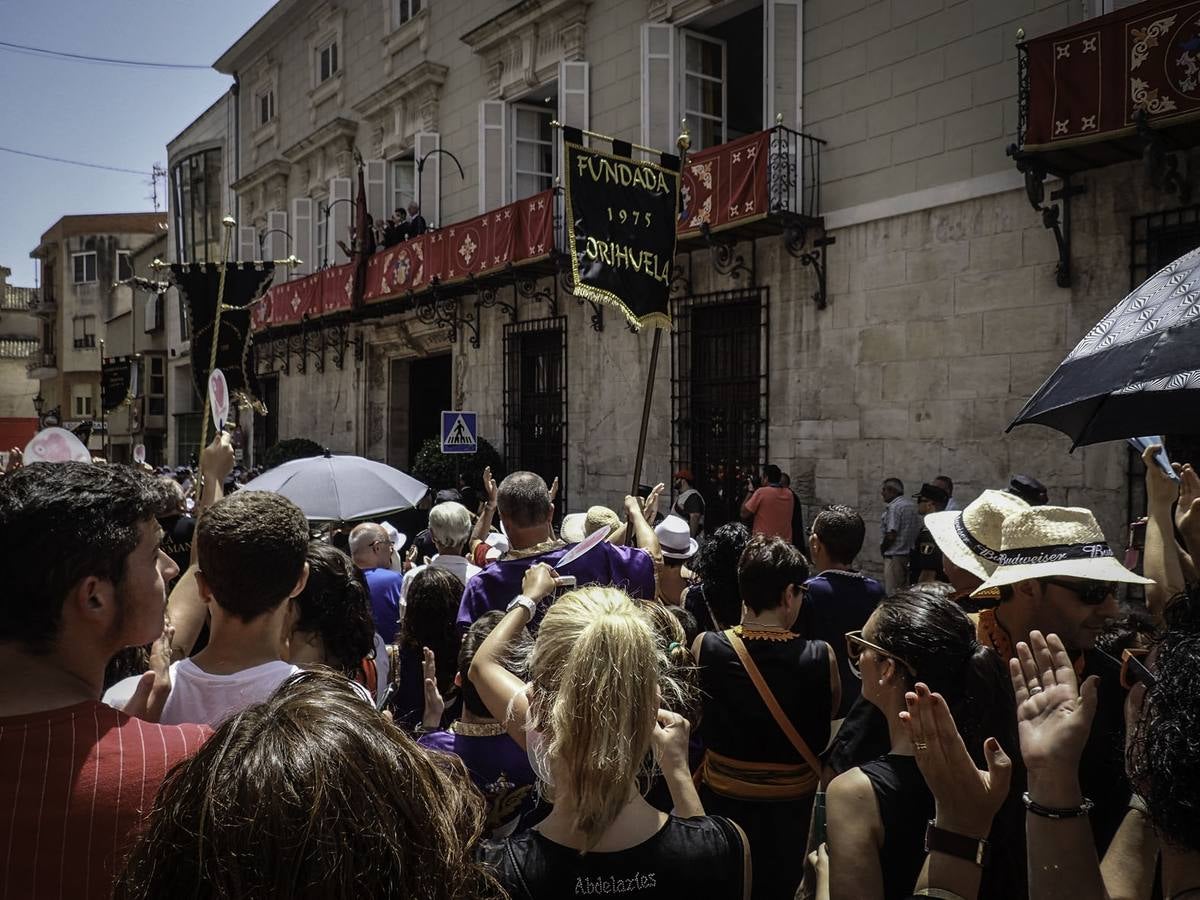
794	172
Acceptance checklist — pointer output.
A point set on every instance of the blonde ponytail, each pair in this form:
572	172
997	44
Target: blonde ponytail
597	666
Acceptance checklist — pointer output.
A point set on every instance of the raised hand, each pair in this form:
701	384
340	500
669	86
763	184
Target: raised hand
650	507
967	799
1161	490
538	582
1054	717
554	490
489	486
435	705
669	740
1187	514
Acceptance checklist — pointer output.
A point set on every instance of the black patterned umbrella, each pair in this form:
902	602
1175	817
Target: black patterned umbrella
1136	372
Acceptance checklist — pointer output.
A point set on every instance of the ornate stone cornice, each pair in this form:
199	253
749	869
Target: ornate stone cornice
402	107
337	134
522	46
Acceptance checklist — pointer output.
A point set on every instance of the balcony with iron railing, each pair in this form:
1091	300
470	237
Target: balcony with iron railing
765	183
1114	88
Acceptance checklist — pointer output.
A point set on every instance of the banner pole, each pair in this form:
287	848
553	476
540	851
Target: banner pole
229	224
641	449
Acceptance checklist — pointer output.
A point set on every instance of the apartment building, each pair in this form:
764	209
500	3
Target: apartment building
880	303
81	258
136	338
18	342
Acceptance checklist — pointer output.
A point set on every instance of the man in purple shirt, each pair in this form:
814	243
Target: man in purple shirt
371	550
527	513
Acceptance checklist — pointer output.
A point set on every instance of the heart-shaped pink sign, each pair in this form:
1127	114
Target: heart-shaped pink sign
218	398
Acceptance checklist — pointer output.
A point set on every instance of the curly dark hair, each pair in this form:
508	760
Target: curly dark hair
312	794
716	565
335	604
429	619
61	523
1164	756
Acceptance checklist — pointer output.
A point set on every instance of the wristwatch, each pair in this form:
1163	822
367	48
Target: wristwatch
526	603
973	850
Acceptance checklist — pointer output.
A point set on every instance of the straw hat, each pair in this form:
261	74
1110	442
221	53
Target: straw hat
572	527
577	526
675	538
970	538
1055	540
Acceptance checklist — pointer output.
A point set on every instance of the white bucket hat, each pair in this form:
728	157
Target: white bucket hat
1044	541
675	538
970	538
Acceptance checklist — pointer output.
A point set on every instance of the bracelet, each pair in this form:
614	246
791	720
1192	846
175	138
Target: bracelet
1052	812
526	603
939	840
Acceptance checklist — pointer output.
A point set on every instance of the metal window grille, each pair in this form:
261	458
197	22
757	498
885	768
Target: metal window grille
719	394
535	400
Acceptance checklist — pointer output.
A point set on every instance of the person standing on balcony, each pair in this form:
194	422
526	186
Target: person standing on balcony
416	222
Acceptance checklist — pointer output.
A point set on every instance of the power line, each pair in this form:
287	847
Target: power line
104	60
73	162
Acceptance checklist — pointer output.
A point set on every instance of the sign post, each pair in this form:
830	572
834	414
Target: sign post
621	236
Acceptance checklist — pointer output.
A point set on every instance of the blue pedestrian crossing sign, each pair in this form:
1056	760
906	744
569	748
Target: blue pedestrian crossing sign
460	431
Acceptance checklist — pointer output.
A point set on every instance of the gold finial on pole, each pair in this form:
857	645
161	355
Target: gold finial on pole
684	141
1020	35
778	118
229	221
292	261
158	264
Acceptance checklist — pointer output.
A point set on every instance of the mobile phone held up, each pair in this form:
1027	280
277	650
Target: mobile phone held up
1141	443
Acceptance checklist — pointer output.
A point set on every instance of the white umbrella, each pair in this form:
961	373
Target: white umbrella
341	488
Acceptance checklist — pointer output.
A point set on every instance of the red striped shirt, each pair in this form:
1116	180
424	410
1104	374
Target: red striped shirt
75	787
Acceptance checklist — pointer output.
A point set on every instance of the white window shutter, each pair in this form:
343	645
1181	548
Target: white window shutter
492	145
247	243
339	220
376	184
573	105
783	30
429	180
302	235
660	123
276	244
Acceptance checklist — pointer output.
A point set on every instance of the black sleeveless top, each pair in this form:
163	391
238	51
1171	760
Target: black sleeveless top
686	859
736	723
905	808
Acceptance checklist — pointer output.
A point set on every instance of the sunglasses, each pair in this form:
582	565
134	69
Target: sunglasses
856	643
1091	593
1133	670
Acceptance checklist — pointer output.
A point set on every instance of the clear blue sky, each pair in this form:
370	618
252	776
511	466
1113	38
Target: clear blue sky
97	113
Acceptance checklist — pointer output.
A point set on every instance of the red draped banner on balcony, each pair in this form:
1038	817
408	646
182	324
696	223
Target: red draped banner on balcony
1091	81
518	233
725	185
316	295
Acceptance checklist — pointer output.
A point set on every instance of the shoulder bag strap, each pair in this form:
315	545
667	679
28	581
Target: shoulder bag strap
781	719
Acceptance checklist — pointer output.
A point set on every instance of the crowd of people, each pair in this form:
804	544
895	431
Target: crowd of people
223	701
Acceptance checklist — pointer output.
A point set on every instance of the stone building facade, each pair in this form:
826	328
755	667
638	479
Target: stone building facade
940	311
